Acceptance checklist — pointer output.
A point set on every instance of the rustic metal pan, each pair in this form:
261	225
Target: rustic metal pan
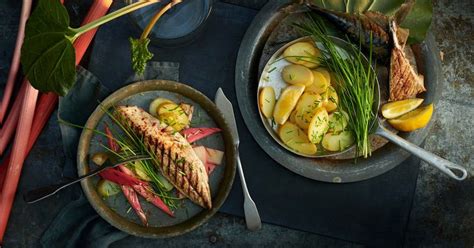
117	210
265	35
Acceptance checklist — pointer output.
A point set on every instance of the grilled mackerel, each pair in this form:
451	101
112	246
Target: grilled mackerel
176	158
405	82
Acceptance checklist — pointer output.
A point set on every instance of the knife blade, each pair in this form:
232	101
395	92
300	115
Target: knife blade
225	106
252	217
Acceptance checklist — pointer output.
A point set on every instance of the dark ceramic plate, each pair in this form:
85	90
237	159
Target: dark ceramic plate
115	209
270	30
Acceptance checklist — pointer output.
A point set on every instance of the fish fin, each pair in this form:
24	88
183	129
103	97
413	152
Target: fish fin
403	11
402	36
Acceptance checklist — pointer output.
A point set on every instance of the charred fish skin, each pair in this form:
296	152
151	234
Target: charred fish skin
176	157
360	28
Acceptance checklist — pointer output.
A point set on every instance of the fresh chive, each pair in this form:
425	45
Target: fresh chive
355	81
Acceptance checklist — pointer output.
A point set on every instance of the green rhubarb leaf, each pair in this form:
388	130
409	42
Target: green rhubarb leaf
418	20
140	54
47	54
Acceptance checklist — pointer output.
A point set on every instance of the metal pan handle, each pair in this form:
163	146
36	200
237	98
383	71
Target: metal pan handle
442	164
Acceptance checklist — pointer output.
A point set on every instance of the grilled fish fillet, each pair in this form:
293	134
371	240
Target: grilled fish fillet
177	160
405	82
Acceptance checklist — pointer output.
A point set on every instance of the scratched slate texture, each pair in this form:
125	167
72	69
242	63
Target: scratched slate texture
443	210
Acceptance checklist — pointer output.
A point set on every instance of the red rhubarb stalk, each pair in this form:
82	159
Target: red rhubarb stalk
8	128
125	181
15	65
47	102
18	156
110	138
196	133
98	9
147	193
131	195
121	178
132	198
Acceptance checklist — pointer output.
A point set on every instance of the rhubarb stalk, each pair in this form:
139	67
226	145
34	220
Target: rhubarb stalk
46	104
18	156
128	191
8	128
15	65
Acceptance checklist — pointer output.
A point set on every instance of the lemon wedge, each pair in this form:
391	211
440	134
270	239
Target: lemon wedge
413	120
398	108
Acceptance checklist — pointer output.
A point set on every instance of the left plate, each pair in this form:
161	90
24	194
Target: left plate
116	209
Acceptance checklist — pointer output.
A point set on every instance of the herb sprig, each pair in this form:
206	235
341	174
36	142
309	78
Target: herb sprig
139	47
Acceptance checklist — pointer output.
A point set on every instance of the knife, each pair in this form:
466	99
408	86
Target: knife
252	218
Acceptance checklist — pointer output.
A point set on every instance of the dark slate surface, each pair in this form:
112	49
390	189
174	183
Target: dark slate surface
442	214
9	14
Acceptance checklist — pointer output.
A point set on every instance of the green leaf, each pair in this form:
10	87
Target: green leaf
418	21
387	7
140	54
359	6
47	53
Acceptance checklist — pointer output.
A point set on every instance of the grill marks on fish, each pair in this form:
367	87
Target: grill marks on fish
176	158
404	81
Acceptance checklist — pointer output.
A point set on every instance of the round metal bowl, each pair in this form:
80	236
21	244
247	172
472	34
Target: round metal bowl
115	209
270	30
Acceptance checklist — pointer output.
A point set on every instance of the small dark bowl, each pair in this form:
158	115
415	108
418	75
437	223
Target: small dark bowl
178	26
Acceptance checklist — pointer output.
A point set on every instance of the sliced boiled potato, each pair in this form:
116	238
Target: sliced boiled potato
155	104
296	138
292	117
330	99
306	108
267	101
325	73
287	102
107	188
297	74
173	115
140	171
338	121
318	126
337	142
320	83
302	53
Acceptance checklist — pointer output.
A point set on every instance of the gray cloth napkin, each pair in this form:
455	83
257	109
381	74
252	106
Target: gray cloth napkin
78	225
